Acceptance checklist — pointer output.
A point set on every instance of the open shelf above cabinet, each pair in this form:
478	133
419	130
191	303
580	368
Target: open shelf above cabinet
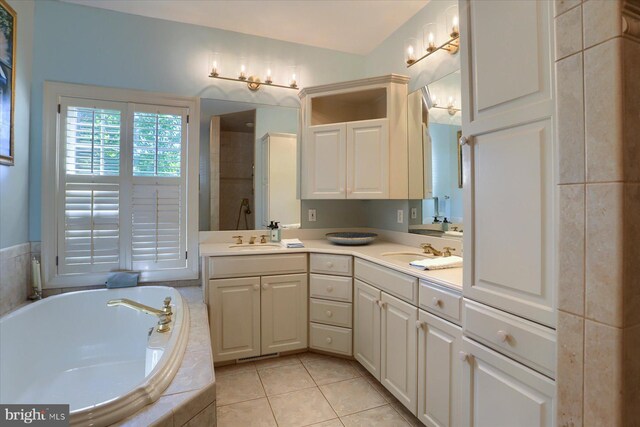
349	107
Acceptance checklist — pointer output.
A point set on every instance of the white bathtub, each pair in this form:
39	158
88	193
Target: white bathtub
73	349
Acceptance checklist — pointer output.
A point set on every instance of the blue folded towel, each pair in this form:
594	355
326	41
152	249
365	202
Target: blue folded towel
122	279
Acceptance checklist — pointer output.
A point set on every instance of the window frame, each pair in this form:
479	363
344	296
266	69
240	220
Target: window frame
54	92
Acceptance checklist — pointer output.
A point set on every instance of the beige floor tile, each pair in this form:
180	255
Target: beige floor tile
348	397
277	362
383	416
408	416
304	357
359	368
301	408
285	379
238	387
386	394
330	423
252	413
330	370
234	369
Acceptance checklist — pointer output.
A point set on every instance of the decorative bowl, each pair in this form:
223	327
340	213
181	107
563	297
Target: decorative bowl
350	238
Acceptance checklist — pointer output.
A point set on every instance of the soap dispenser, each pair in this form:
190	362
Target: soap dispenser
445	224
274	232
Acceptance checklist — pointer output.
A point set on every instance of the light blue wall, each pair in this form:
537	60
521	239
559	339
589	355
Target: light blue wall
14	180
79	44
445	173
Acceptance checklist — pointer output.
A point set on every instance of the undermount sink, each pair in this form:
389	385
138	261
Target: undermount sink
406	256
255	246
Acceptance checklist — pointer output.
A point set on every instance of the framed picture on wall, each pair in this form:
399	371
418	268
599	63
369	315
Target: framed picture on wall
8	26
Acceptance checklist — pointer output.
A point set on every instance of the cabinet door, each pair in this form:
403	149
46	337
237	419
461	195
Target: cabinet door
284	313
234	318
499	392
366	327
324	171
439	370
368	159
508	163
398	342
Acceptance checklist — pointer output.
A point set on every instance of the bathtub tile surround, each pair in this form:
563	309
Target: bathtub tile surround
330	399
15	277
598	333
190	398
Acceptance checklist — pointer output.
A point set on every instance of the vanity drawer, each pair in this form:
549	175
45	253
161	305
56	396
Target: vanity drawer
256	265
330	312
331	264
331	287
440	301
398	284
531	344
330	338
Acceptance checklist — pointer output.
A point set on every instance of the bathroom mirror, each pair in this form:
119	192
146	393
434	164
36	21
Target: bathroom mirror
248	165
435	119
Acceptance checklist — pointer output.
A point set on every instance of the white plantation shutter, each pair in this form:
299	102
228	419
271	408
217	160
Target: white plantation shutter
89	196
159	208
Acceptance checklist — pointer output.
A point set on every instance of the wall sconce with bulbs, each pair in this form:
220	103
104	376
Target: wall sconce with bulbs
429	36
253	82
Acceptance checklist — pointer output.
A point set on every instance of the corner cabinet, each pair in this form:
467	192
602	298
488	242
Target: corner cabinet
354	140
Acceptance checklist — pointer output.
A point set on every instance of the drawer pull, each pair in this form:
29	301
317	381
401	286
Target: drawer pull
503	336
330	288
329	313
256	287
463	356
329	264
329	340
419	324
381	304
437	302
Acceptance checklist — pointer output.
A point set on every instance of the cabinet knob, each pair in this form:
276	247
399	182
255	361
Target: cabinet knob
256	287
329	264
329	313
463	141
329	340
436	302
463	356
265	286
503	336
419	324
329	288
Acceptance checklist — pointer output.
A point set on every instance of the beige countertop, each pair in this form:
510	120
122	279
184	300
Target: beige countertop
451	277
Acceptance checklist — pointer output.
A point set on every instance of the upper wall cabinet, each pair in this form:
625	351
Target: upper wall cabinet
508	146
354	140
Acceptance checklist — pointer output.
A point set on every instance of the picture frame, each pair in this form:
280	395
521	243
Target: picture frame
8	35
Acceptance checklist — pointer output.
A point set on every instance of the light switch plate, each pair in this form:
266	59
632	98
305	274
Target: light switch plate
400	216
312	215
414	213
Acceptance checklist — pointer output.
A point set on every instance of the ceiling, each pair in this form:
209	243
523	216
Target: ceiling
237	122
352	26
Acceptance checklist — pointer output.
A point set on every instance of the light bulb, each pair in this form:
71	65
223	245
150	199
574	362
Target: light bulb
269	80
455	28
293	82
243	75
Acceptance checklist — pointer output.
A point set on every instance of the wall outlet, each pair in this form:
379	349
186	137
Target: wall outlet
400	216
414	213
312	215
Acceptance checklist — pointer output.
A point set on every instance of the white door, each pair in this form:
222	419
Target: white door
398	342
324	167
368	159
284	313
234	316
499	392
366	327
439	371
508	171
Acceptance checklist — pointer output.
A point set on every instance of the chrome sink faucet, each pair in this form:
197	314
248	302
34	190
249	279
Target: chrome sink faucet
164	314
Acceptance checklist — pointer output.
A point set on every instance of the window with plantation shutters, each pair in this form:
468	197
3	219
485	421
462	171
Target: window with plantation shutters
122	194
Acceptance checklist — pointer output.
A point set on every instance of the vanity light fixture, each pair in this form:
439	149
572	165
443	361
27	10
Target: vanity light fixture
253	82
429	34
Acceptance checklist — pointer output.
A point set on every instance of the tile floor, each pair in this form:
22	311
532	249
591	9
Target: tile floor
305	389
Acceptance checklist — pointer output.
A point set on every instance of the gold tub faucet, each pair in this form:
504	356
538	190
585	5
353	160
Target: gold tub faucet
164	314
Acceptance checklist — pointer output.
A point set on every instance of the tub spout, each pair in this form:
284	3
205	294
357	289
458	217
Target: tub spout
163	314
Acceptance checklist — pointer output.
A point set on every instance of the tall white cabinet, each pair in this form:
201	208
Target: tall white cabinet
354	143
508	176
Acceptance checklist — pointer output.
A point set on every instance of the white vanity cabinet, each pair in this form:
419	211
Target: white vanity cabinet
330	303
354	140
439	371
262	314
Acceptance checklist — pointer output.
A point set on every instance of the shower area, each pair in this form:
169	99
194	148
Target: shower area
234	134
